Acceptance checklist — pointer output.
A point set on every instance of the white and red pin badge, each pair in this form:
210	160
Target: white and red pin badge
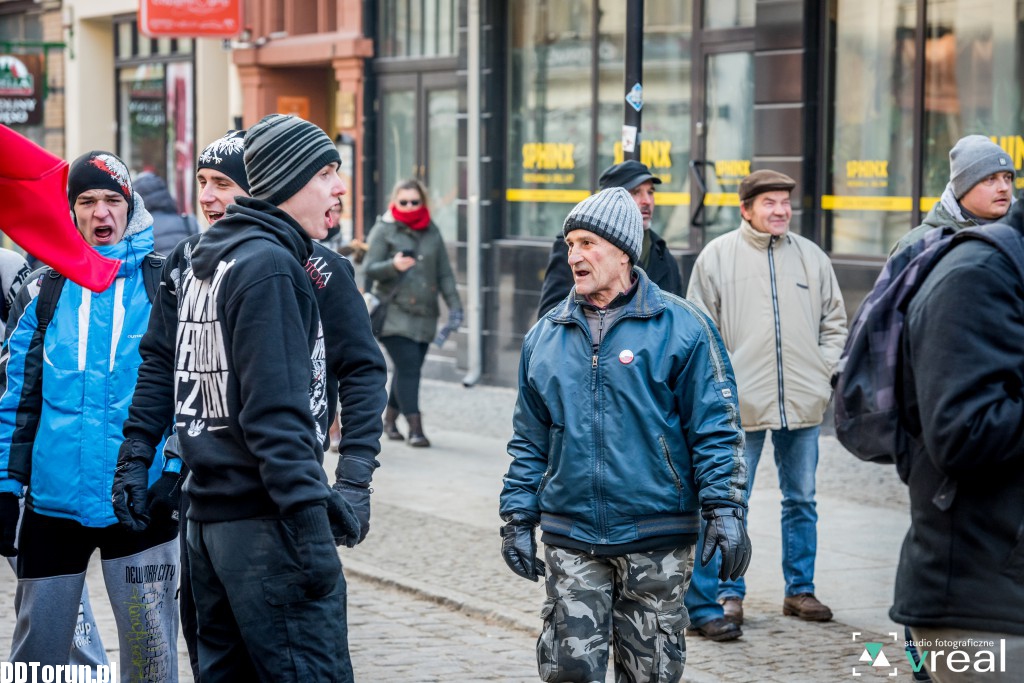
625	356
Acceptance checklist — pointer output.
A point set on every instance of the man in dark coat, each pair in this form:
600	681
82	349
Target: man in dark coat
960	580
655	258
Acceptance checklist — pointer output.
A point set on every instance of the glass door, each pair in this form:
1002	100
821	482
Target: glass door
724	144
419	136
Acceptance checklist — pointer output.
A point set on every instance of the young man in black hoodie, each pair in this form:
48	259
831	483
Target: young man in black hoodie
357	373
251	413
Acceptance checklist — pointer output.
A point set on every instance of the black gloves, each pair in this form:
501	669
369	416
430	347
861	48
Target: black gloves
10	511
164	499
314	548
343	521
353	485
131	481
725	530
519	548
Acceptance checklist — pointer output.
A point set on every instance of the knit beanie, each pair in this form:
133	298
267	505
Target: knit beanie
225	156
98	170
974	158
282	153
613	215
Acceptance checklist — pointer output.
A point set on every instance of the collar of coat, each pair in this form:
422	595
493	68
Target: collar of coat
758	239
646	303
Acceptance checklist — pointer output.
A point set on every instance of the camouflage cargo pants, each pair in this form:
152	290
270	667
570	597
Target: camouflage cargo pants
634	602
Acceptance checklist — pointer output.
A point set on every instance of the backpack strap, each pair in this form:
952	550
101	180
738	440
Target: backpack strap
152	274
46	301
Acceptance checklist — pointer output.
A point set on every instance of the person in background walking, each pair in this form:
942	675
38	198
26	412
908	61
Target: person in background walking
408	264
776	301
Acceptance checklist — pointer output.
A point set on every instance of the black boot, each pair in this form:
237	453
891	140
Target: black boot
416	437
390	428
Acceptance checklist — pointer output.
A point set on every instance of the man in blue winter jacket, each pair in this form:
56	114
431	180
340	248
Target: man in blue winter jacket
69	384
626	433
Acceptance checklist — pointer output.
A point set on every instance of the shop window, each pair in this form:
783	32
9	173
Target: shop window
974	63
869	190
550	95
156	109
665	146
728	13
418	28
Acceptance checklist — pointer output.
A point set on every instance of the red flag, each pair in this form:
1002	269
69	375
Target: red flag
34	212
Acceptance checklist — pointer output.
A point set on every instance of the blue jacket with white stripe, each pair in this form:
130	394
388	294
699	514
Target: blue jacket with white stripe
66	401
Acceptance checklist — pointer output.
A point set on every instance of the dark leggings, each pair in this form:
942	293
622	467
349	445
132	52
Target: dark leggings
407	356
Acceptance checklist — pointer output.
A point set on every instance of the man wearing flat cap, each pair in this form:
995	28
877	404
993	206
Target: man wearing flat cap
776	302
655	258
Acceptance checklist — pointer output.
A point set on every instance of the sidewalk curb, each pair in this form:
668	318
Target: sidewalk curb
466	604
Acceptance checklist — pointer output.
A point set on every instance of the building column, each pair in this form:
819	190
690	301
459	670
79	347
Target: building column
348	119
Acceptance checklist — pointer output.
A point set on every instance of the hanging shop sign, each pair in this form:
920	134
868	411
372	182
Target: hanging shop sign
21	90
190	18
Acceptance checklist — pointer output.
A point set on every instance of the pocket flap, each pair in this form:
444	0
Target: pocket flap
547	608
674	621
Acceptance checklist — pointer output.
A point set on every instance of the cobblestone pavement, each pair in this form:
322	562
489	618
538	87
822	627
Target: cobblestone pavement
431	600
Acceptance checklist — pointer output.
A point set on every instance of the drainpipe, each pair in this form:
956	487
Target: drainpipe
474	279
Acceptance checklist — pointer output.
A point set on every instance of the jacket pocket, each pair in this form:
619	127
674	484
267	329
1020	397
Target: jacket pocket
294	587
555	437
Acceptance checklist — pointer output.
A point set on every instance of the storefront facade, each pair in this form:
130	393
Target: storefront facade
832	93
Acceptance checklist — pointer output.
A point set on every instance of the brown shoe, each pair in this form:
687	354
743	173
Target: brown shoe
718	630
390	428
806	607
733	608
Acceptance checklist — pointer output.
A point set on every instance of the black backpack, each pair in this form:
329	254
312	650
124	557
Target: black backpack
867	412
53	282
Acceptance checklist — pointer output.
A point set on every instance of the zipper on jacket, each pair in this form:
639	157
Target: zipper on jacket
668	461
602	517
778	330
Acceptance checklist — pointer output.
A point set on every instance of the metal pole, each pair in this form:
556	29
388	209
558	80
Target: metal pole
474	279
634	78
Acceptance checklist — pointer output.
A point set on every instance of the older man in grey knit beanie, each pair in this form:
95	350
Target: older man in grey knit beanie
980	189
626	442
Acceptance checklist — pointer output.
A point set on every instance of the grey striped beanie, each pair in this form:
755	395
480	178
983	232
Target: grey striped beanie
613	215
282	153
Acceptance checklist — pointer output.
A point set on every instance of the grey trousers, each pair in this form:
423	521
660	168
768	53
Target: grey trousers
631	603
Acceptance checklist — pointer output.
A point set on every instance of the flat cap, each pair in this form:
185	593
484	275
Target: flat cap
626	175
764	180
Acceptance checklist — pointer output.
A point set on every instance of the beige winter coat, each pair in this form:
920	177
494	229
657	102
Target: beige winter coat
738	279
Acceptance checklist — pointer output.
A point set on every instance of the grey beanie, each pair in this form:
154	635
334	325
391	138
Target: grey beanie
282	153
613	215
974	158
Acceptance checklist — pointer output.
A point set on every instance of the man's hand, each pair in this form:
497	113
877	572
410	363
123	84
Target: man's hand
519	548
131	483
353	483
10	512
725	530
163	499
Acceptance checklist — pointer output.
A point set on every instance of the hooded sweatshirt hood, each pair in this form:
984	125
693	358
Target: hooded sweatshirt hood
260	220
155	193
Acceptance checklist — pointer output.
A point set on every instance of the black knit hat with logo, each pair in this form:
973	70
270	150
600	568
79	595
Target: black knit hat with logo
99	170
225	155
282	154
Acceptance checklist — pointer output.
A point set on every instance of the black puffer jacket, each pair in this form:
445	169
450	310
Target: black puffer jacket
962	564
661	268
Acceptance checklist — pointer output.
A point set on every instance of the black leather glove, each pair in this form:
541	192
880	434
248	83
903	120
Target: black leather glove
519	548
164	499
131	484
725	530
10	512
314	548
353	484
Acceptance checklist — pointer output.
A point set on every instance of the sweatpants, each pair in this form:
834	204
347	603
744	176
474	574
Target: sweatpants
140	571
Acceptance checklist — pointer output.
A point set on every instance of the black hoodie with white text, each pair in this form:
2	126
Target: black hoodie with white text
250	369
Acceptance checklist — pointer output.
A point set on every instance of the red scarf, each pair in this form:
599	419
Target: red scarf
417	219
